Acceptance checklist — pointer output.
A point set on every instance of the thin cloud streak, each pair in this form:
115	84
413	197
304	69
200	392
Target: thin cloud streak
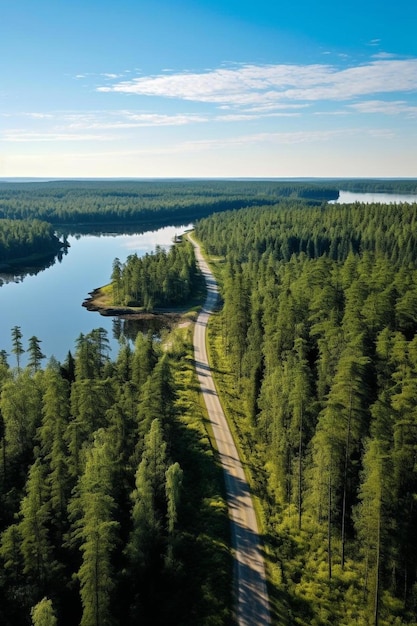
398	107
81	126
286	138
20	136
134	120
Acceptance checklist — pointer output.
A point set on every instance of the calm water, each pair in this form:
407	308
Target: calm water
348	197
49	304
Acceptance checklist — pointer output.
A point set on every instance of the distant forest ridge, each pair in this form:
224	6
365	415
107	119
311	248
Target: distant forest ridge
116	201
31	212
69	202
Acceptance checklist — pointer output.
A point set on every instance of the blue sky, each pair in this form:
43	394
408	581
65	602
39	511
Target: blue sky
219	88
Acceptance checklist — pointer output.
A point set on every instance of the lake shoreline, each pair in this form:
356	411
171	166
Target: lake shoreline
17	263
97	302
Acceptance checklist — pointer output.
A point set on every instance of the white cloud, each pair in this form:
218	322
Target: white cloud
35	115
265	85
93	125
249	117
398	107
19	136
117	120
284	138
384	55
39	116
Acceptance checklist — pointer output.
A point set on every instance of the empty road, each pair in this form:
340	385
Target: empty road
251	596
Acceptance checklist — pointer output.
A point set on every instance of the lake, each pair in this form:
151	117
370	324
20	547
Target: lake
49	304
348	197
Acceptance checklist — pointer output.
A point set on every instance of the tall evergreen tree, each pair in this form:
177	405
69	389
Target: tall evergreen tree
33	527
43	614
93	507
17	348
35	353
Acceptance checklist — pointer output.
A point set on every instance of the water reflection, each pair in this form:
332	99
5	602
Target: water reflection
350	197
109	230
17	272
128	328
46	300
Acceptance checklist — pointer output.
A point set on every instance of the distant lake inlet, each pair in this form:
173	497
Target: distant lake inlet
349	197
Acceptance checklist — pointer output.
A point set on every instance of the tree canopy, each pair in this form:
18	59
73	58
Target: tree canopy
319	332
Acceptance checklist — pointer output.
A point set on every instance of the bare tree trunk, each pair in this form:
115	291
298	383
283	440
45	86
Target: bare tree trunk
345	473
377	566
329	526
300	450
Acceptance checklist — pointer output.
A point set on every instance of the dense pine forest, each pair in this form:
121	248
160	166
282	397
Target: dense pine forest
319	329
33	215
90	202
111	503
112	506
161	279
25	239
377	185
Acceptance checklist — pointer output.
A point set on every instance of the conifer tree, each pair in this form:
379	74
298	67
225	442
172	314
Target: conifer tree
33	527
370	523
51	435
173	486
21	410
146	543
43	614
93	507
157	396
35	353
17	348
144	359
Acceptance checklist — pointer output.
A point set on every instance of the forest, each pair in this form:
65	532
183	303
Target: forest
112	508
92	202
377	185
316	343
25	239
160	279
34	215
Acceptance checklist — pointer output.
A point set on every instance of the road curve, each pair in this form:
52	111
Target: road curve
251	596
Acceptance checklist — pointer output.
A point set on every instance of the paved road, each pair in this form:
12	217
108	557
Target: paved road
252	606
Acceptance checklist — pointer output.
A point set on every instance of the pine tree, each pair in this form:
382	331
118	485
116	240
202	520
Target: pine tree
43	614
21	409
143	360
35	353
53	446
370	522
173	486
157	396
17	348
93	506
33	527
300	399
146	543
116	281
